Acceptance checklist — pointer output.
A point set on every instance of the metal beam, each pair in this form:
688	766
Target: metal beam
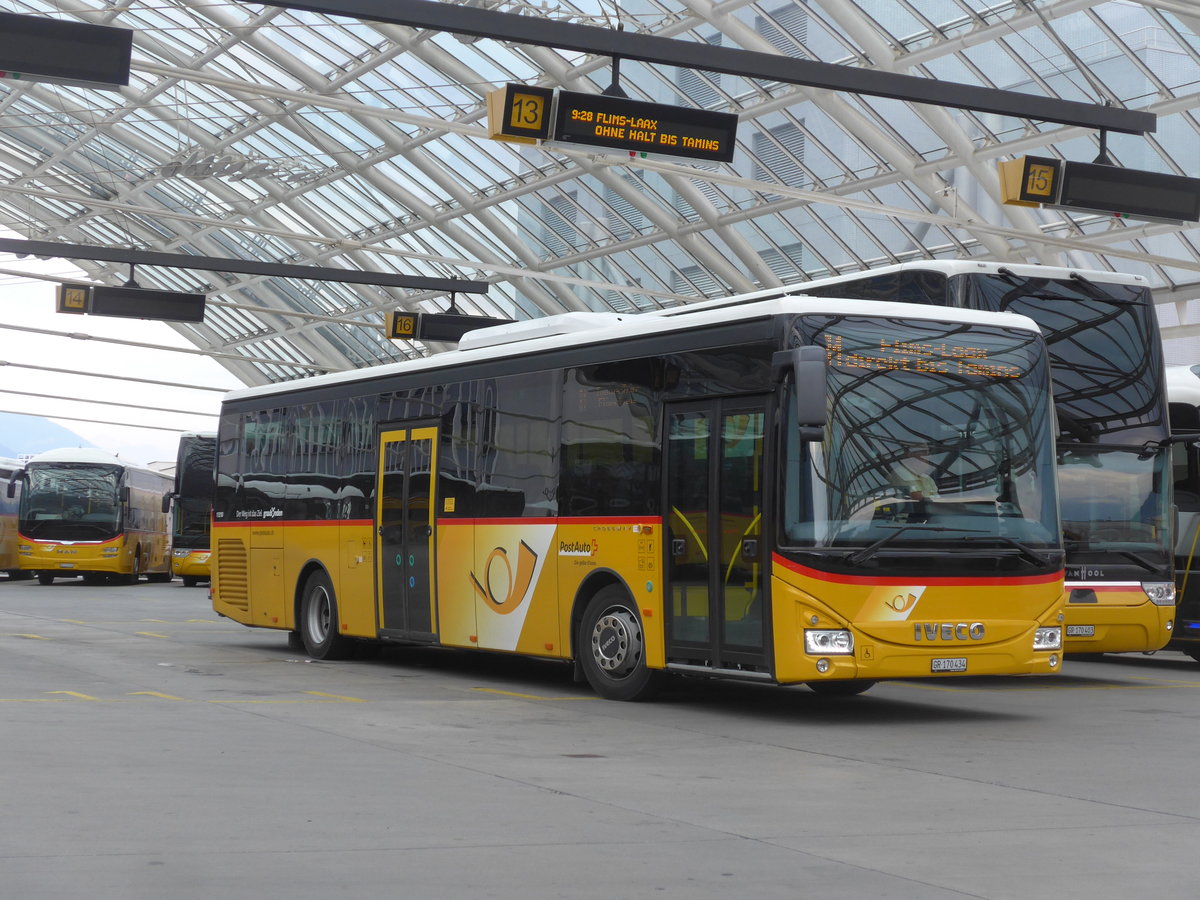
501	26
241	266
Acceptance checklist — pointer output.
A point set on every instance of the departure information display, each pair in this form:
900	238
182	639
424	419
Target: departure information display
618	123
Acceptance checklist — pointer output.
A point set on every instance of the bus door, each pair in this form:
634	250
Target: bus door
404	534
716	558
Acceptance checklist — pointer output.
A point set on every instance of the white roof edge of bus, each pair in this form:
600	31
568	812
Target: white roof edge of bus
86	455
1183	385
530	329
947	266
648	324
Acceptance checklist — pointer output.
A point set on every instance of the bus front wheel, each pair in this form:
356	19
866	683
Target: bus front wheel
612	648
45	578
319	620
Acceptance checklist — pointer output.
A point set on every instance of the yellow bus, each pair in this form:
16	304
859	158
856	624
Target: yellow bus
85	512
702	491
191	514
1106	366
10	563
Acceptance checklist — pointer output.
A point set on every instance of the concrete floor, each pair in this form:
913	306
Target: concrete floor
153	750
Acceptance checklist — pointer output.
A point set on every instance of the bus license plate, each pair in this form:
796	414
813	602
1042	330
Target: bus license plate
950	664
1081	631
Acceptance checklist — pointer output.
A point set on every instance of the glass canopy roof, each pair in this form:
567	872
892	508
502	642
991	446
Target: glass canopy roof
270	134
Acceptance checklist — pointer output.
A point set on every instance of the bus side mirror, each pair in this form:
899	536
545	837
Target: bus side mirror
808	367
12	489
124	493
166	504
12	482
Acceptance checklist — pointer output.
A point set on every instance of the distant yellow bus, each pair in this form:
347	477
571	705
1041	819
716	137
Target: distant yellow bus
86	513
701	491
191	514
10	563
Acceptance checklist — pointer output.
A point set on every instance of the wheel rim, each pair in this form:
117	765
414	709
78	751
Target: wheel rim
617	642
318	614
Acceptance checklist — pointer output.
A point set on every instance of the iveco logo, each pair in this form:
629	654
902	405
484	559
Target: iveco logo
948	631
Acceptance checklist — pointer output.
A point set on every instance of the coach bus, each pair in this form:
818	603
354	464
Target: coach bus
1183	392
195	470
1114	483
9	561
85	512
705	494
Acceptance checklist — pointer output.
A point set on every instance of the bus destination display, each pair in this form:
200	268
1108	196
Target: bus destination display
941	357
622	124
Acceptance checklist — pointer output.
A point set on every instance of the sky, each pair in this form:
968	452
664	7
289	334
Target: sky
28	302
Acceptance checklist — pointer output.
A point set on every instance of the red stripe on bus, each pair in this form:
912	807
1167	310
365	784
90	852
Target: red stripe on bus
531	520
900	578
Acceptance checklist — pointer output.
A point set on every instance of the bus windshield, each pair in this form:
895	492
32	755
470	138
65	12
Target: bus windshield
937	435
1104	346
69	502
1114	502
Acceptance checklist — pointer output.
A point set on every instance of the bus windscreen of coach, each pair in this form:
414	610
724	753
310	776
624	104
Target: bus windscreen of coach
71	503
938	444
1114	501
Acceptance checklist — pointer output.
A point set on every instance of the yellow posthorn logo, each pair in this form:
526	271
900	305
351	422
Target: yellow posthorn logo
901	603
515	593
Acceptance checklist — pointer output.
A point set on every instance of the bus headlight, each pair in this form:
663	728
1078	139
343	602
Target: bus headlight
180	554
821	642
1049	638
1161	593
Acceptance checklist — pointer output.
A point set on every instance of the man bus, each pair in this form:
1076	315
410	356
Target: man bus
86	512
703	493
1106	364
195	470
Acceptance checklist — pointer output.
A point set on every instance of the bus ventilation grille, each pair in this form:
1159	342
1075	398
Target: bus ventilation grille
231	573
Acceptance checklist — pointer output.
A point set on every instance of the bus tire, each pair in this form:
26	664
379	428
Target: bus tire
850	687
190	581
319	620
1194	653
611	648
45	577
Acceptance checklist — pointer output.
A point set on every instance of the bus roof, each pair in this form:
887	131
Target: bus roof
1183	384
85	455
575	329
947	267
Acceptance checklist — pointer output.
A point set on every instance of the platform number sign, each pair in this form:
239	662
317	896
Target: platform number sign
520	112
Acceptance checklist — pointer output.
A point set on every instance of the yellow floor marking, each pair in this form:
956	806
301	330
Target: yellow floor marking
527	696
154	694
159	621
153	634
74	694
337	697
32	637
75	621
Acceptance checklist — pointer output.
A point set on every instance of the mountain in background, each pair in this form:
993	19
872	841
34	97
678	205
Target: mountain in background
33	434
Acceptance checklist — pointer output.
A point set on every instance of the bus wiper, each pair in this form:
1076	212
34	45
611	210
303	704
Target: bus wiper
1027	552
1140	560
865	553
1045	291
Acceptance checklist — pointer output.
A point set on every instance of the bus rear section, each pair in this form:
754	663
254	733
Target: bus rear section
714	494
10	561
87	513
1183	391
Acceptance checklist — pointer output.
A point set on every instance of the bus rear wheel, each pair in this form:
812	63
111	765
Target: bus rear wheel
612	649
319	620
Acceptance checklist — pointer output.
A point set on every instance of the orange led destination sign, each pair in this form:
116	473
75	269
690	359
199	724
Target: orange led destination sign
622	124
941	358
